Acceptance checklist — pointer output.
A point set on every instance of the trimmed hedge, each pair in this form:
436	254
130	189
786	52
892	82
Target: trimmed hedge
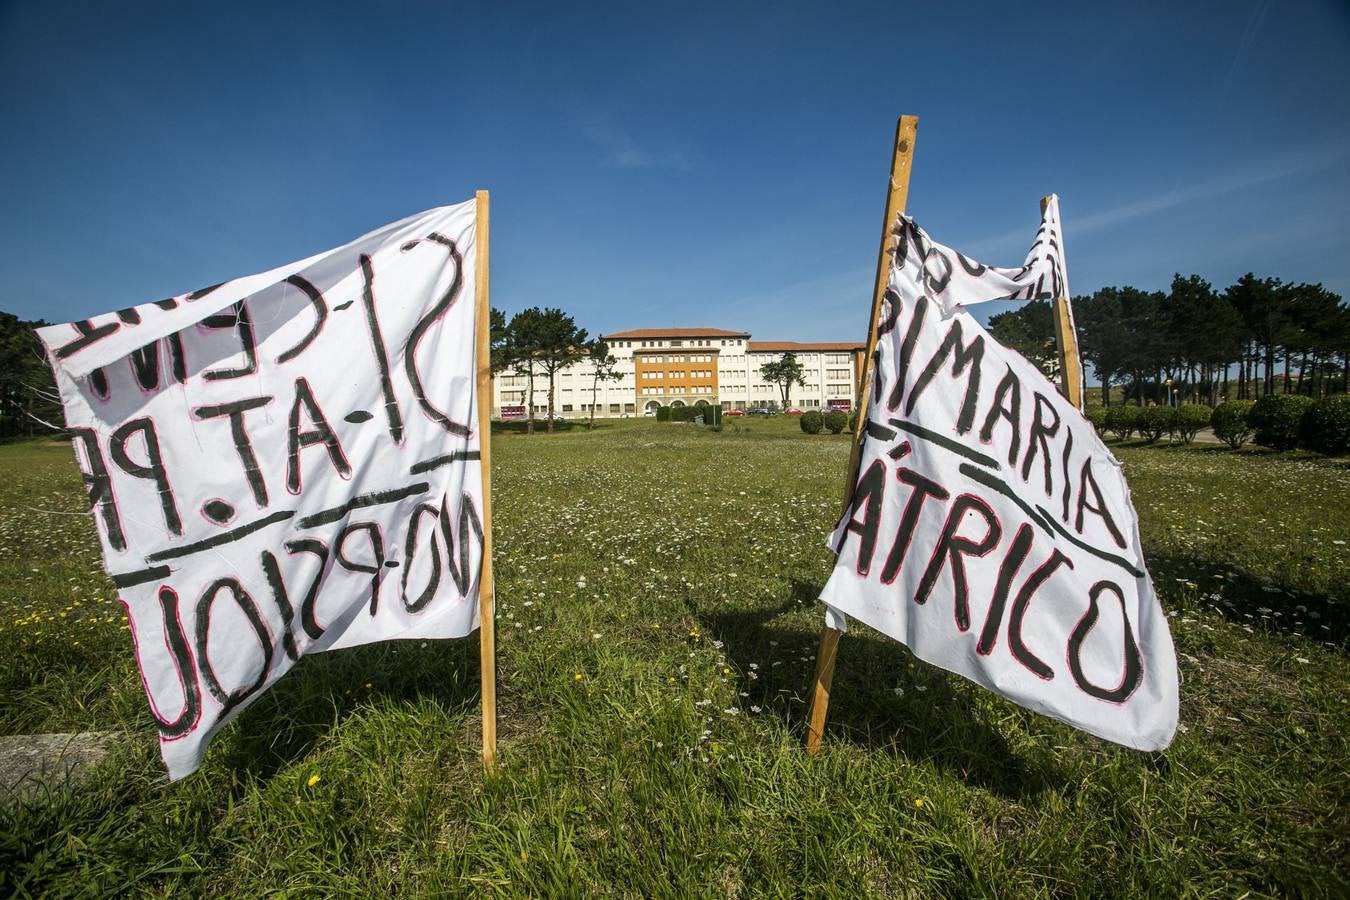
1187	421
835	421
1326	426
1122	420
680	414
1276	418
1154	421
663	414
1097	416
1229	421
811	421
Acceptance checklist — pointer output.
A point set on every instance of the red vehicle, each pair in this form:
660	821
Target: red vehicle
734	412
794	412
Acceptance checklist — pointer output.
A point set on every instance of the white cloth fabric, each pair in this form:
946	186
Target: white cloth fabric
990	529
284	464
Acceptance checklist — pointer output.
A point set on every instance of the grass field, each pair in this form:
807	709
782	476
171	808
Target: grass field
657	623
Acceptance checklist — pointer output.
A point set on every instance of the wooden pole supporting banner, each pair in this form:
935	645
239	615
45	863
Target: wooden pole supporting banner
1066	336
897	194
487	630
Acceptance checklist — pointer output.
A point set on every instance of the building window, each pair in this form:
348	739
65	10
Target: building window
567	407
629	407
614	407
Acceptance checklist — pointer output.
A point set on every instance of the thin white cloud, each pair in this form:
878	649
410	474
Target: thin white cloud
618	148
1299	162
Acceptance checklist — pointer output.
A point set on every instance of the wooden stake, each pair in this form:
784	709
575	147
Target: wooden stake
1066	336
902	160
487	631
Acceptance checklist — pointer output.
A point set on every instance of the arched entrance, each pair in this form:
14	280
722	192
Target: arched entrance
675	403
651	407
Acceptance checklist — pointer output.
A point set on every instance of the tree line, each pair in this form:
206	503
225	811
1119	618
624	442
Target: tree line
534	343
1194	343
28	398
541	342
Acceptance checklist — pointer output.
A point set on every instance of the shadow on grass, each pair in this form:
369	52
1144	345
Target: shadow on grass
311	700
1247	599
882	698
1247	451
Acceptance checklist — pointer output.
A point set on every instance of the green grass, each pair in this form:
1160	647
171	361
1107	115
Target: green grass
676	571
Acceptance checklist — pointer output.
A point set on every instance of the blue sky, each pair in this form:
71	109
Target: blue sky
674	165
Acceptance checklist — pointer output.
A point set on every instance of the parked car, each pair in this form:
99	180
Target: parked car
793	412
734	412
761	411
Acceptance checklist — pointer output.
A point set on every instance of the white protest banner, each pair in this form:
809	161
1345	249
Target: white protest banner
990	530
284	464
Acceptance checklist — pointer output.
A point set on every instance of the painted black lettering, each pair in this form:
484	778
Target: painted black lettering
1007	571
1064	473
364	501
469	523
243	447
1016	644
152	469
972	268
1038	441
391	410
98	383
1009	392
952	547
308	621
283	603
420	330
374	568
937	271
410	554
97	482
906	356
229	700
220	540
945	442
867	495
177	360
1087	484
963	357
145	366
922	489
320	432
1133	675
447	459
184	668
890	313
202	292
237	318
320	316
88	335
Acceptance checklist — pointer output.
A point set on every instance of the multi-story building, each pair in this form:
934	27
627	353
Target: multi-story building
688	367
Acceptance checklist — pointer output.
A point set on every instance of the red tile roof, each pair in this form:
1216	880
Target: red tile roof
800	347
637	333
